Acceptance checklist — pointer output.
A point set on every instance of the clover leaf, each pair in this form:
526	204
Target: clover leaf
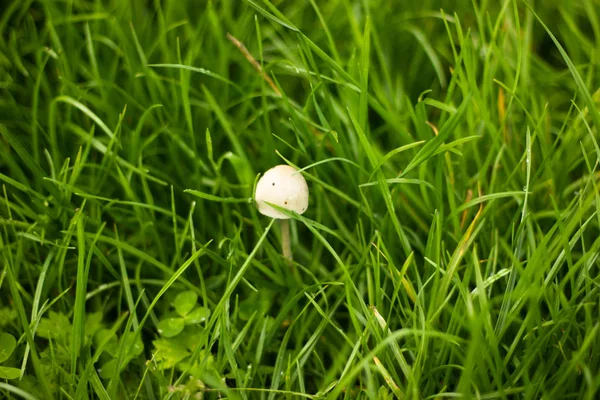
9	372
8	343
7	346
170	327
185	302
197	316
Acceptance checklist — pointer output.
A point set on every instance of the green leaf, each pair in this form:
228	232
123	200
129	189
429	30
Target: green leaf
384	394
433	144
85	110
218	199
581	85
109	338
93	323
7	315
197	316
169	352
194	69
137	347
171	327
108	369
27	159
55	327
244	172
189	337
9	373
185	302
7	346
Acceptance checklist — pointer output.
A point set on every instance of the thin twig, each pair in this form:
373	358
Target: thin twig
254	63
464	215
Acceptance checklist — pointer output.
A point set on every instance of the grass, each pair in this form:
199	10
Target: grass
450	249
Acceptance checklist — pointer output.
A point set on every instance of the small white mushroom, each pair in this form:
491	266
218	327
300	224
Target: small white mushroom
285	187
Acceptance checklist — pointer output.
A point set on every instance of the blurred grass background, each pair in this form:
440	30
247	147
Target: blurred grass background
451	244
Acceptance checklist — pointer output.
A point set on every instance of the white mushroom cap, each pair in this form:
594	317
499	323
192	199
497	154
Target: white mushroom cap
283	186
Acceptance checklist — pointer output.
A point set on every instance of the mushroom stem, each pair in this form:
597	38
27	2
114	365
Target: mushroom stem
286	245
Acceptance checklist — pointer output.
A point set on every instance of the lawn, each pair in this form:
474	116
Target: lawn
449	249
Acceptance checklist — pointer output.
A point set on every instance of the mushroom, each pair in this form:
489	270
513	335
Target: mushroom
285	187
